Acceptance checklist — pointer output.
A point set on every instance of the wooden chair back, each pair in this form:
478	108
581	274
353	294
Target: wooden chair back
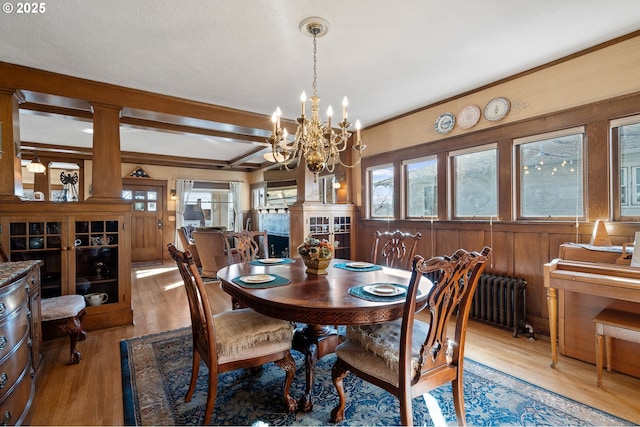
248	245
212	248
395	249
185	235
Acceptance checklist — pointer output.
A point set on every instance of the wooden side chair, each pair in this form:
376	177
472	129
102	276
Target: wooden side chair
395	249
186	238
231	339
408	357
248	245
211	245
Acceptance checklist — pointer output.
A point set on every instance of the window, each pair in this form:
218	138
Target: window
380	189
550	173
421	187
626	132
475	182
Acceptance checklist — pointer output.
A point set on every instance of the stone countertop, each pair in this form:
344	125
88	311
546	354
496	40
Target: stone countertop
9	271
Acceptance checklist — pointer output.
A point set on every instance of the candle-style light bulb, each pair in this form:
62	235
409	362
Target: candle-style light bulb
358	126
274	120
345	103
278	114
329	114
303	100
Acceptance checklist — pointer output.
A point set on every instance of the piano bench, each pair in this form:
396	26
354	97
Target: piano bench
613	324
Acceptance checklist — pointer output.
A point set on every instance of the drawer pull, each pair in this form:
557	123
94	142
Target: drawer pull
3	342
6	419
4	379
3	308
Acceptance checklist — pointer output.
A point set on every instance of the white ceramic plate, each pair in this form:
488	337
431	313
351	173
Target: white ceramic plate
383	290
360	264
445	123
271	260
469	116
258	278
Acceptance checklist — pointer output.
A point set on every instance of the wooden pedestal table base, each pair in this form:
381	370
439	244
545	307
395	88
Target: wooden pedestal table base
315	342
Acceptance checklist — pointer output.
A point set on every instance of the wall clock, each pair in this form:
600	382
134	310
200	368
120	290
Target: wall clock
497	109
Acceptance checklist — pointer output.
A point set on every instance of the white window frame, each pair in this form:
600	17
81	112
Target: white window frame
404	196
368	193
450	174
517	193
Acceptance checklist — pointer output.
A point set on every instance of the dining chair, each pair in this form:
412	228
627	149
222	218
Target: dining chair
186	238
395	249
408	357
212	248
232	339
248	245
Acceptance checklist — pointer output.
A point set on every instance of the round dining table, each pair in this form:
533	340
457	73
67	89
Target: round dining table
317	303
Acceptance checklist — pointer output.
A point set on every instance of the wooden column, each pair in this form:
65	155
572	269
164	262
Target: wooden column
308	191
106	176
10	167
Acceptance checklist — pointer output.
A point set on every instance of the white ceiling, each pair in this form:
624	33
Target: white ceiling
388	57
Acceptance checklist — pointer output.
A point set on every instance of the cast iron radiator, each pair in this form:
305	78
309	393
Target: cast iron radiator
502	301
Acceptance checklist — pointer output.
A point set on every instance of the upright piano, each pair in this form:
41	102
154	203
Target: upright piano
581	282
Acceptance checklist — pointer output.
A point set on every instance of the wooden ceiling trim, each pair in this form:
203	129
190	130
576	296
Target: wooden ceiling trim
20	77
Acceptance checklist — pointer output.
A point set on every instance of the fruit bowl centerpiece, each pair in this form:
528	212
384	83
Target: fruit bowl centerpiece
316	254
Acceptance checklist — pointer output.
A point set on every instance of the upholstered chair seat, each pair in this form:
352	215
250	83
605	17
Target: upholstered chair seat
244	333
374	349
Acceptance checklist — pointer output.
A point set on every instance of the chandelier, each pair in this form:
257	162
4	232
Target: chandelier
315	141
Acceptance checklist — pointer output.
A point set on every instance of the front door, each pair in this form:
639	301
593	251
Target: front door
146	219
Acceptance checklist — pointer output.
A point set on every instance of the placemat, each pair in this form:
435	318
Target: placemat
279	281
284	261
344	266
357	291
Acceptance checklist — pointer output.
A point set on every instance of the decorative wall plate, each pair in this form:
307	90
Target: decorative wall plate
468	116
497	109
445	123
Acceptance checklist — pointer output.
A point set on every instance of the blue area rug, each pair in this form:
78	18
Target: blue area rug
156	370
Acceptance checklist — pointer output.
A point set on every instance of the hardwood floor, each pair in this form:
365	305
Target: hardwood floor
91	393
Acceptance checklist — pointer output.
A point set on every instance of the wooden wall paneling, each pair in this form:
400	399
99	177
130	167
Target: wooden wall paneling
500	260
597	171
529	255
505	181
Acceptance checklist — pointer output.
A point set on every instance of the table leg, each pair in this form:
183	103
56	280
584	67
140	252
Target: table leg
552	302
315	342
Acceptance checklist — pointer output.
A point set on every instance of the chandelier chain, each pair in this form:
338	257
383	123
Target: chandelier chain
315	67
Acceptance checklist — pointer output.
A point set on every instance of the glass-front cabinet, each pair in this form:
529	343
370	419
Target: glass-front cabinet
333	222
84	253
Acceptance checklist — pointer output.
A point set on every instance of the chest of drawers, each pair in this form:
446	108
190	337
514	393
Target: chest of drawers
19	338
